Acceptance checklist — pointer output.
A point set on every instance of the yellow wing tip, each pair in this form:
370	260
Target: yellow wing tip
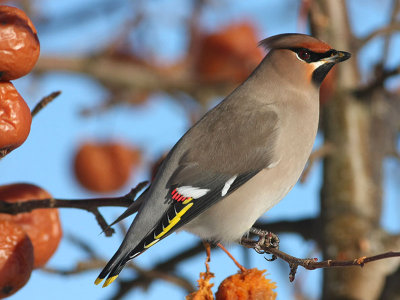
109	281
98	281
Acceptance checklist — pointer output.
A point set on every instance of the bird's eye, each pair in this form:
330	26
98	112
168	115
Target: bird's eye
304	55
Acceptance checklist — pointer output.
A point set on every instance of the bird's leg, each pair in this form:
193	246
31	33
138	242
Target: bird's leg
208	253
242	269
266	239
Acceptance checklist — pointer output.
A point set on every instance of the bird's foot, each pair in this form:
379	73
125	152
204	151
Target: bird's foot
265	240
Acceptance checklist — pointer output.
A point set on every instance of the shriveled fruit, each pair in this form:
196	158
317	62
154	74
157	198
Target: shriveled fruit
104	167
42	225
204	291
19	44
229	55
248	285
16	258
15	117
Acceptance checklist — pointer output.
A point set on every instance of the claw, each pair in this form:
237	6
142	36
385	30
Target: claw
273	257
266	239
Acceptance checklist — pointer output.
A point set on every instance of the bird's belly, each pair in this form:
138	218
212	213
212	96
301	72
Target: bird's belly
228	220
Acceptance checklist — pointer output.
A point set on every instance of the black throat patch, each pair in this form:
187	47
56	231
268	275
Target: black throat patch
319	73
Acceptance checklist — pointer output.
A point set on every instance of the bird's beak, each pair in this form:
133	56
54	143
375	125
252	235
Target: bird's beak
337	57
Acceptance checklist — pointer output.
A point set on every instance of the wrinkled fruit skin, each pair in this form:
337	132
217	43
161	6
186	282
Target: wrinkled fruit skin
16	258
104	167
15	117
42	225
248	285
19	44
204	291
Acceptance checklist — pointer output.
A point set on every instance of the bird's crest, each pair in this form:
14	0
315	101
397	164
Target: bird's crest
294	40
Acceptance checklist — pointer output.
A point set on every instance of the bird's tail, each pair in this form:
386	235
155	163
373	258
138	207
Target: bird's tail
116	264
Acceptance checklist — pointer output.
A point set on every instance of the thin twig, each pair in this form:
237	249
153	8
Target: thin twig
377	82
313	263
90	205
381	31
43	103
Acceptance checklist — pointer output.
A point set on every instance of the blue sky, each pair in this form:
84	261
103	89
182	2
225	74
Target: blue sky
45	158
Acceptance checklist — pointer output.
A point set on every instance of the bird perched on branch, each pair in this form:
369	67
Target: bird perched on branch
241	158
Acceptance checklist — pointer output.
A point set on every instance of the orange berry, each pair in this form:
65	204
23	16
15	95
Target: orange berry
248	285
15	117
42	225
16	258
19	44
104	167
229	55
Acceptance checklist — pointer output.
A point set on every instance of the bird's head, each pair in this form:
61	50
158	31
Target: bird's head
302	57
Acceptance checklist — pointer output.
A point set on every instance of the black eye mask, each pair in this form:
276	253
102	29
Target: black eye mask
308	56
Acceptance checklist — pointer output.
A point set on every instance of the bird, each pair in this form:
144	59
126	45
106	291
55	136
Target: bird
241	158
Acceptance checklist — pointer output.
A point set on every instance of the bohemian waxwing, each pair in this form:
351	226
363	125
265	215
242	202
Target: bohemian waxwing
241	158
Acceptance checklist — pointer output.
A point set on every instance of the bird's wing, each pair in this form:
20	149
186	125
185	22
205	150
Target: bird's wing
215	157
224	155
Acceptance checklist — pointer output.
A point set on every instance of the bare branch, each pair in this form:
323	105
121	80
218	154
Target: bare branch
311	263
389	29
377	82
144	277
90	205
43	103
135	76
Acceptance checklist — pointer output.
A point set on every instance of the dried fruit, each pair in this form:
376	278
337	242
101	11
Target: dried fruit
248	285
19	44
42	225
204	292
105	167
15	117
16	258
229	55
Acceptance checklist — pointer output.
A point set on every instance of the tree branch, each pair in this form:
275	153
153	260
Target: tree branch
311	263
90	205
389	29
380	76
43	103
144	278
135	76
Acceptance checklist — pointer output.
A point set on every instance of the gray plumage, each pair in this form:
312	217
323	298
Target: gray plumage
242	157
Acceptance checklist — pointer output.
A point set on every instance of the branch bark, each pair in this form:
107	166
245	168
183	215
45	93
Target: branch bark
90	205
313	263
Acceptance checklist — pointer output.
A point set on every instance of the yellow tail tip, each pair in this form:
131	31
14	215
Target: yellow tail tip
109	281
98	281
